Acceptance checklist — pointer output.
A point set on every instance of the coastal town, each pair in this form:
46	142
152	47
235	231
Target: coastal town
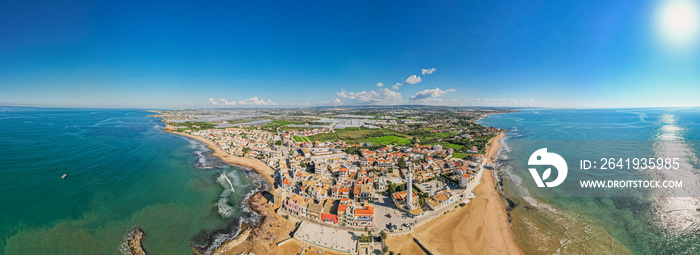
351	177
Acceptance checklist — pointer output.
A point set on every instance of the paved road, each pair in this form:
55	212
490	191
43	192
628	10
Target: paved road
386	206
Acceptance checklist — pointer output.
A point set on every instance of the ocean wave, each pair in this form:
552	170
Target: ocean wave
124	243
204	161
523	192
224	209
231	180
219	237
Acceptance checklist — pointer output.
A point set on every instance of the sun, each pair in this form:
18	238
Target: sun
678	22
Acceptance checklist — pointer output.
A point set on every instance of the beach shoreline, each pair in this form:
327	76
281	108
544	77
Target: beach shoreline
255	165
272	228
480	227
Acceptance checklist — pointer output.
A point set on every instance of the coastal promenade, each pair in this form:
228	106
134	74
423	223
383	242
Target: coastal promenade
467	195
446	221
484	212
480	227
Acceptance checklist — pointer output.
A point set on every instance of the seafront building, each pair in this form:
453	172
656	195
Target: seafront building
320	182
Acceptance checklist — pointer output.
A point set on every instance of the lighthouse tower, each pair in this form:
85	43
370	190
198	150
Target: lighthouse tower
409	190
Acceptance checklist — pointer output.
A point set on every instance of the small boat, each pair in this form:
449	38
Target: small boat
64	176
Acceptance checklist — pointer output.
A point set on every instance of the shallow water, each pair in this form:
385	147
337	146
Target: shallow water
122	171
565	225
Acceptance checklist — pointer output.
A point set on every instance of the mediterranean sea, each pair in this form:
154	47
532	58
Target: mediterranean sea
122	172
575	223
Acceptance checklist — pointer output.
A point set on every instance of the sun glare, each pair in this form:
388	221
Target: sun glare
678	22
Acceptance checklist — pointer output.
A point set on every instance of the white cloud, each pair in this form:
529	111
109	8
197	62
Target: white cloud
224	102
429	95
335	101
396	87
379	84
428	71
413	79
221	102
256	101
370	97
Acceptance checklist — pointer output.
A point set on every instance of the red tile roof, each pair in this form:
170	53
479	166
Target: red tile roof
368	210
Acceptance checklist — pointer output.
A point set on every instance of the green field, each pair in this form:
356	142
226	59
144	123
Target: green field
460	155
386	140
324	137
288	128
301	139
277	123
190	125
356	136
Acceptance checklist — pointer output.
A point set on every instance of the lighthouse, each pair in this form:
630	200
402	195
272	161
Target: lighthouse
409	190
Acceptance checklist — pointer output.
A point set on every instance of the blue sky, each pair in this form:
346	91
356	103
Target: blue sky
181	54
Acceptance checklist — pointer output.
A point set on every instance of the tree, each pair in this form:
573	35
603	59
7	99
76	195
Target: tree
383	236
365	239
402	163
385	249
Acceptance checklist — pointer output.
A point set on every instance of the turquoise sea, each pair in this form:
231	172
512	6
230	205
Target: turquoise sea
579	224
123	172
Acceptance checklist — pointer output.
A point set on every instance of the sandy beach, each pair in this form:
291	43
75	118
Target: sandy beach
480	227
273	229
254	164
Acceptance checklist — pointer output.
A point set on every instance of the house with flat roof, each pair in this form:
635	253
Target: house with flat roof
366	192
314	209
399	199
329	213
465	179
441	199
296	205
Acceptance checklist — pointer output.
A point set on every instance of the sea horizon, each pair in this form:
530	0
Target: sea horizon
575	224
122	172
201	174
